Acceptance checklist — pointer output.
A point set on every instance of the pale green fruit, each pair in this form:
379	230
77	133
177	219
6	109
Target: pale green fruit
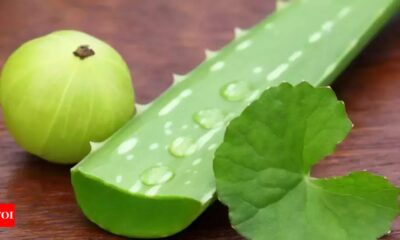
62	91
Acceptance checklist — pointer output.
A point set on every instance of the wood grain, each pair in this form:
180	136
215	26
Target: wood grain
158	38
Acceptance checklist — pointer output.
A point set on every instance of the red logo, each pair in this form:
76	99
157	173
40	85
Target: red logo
7	215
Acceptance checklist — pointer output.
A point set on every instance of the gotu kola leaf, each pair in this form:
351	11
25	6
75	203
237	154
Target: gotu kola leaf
262	172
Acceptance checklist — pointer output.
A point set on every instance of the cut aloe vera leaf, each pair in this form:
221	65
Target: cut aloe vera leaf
154	176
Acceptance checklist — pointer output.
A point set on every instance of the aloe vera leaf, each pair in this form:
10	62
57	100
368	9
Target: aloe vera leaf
154	176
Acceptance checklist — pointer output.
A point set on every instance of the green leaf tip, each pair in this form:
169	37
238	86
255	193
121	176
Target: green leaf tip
262	172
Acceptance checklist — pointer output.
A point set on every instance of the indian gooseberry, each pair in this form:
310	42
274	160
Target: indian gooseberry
62	91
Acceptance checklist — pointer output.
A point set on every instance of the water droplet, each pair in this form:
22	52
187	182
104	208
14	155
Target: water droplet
156	175
182	147
209	118
235	91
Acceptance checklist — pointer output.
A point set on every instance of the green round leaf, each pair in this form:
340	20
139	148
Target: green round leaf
262	172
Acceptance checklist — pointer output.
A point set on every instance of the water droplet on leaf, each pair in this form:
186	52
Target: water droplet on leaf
156	175
235	91
209	118
182	147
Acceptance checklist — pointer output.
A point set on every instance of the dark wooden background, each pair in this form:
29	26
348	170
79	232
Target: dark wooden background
158	38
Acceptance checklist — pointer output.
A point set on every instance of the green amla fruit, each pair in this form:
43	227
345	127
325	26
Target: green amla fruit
62	91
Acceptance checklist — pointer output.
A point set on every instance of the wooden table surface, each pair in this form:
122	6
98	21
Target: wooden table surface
158	38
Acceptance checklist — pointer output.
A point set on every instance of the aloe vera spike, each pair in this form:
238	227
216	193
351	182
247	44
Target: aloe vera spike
280	4
154	176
